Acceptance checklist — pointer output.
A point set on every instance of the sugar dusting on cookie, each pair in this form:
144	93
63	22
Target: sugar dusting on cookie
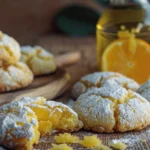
113	108
100	79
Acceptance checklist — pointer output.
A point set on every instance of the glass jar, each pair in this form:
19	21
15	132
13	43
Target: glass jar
130	20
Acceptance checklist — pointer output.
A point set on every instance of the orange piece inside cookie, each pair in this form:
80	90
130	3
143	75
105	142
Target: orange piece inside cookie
22	122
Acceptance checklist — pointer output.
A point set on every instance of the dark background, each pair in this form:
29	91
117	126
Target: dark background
27	20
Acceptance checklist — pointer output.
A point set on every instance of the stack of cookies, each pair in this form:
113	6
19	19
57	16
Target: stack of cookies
13	73
18	70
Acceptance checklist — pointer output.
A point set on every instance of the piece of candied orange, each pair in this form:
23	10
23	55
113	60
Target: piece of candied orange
129	56
90	141
66	138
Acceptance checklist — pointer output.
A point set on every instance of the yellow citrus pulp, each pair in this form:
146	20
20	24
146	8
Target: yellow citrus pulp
129	56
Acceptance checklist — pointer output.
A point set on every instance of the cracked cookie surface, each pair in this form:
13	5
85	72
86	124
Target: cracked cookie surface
99	79
112	109
22	122
9	50
38	60
15	77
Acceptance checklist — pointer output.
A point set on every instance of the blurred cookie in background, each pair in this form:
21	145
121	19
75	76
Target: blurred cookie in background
38	60
100	79
9	50
15	77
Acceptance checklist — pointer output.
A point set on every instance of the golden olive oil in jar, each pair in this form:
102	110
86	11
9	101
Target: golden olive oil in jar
126	18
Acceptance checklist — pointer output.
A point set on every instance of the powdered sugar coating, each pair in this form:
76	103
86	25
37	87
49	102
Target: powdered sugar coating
29	50
99	110
13	127
15	77
133	115
19	121
99	79
15	105
10	49
114	92
144	90
59	105
38	59
112	108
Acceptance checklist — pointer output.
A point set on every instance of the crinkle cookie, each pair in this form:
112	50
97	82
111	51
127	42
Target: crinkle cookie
99	79
19	124
9	50
15	77
144	90
19	129
22	122
38	59
112	109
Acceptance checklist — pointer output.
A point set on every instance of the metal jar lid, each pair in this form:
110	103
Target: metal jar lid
119	2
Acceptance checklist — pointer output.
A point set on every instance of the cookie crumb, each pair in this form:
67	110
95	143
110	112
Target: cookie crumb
90	141
66	138
61	147
117	145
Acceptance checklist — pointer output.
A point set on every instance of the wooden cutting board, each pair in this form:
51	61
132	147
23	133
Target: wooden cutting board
48	86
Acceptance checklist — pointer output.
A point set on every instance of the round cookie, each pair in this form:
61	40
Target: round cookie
9	50
144	90
38	59
99	79
18	128
22	122
112	109
15	77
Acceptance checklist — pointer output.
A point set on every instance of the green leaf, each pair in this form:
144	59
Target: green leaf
77	20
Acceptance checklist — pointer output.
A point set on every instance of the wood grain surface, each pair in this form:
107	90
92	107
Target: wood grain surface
48	86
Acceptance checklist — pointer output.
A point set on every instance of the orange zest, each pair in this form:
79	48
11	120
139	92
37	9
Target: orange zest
129	56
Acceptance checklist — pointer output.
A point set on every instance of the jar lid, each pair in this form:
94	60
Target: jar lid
119	2
127	2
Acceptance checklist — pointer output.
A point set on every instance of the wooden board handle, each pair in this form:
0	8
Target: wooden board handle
68	59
